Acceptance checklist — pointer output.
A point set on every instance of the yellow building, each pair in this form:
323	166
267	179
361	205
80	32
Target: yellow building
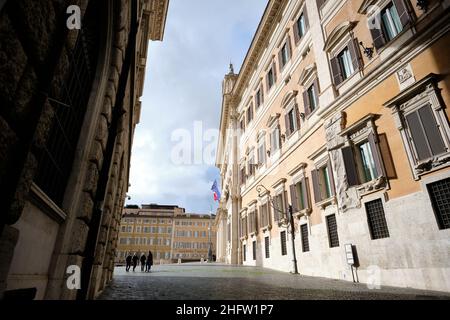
339	112
167	231
193	235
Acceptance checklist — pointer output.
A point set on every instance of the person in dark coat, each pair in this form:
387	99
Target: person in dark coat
135	261
143	259
149	263
128	259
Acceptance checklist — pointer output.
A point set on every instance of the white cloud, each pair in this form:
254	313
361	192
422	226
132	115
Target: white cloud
183	85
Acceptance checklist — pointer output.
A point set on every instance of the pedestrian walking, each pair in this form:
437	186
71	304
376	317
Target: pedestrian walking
135	261
149	263
143	259
128	260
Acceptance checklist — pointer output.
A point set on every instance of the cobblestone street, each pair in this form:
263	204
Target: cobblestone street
221	282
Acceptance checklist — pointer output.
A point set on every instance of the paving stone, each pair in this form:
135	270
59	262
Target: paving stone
195	281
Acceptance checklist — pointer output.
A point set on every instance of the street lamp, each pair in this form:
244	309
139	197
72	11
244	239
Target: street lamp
209	239
286	223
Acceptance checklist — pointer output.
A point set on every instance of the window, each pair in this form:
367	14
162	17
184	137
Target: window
265	215
250	113
243	227
312	98
345	62
376	219
123	241
300	195
424	133
363	161
305	238
440	199
271	77
283	243
244	252
266	245
389	22
262	151
285	53
323	183
300	26
251	164
242	123
259	97
252	221
123	229
275	139
279	207
254	250
333	238
55	162
129	229
242	175
367	162
292	120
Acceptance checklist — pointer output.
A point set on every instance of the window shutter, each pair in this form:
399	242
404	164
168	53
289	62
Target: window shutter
305	193
355	54
288	43
305	16
320	3
377	34
402	10
350	166
306	102
331	176
316	186
336	71
418	137
274	71
262	93
280	58
431	130
296	31
373	141
294	198
297	116
288	127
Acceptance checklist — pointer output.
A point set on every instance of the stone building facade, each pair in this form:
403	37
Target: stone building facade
70	101
168	231
340	112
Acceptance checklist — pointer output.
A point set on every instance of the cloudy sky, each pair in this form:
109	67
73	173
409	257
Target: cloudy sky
181	102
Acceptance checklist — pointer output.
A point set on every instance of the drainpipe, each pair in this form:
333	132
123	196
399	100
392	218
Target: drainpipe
94	227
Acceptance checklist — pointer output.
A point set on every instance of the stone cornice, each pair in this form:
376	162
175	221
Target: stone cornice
266	26
158	10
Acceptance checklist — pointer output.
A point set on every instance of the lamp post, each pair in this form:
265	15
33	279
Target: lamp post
209	239
287	223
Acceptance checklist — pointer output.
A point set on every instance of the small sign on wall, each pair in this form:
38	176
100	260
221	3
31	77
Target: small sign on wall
349	254
405	76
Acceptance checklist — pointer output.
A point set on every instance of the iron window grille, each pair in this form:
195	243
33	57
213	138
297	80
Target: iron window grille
305	239
254	250
266	243
56	160
376	220
440	199
244	251
333	237
283	243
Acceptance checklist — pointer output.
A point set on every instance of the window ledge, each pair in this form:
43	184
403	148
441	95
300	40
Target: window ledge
372	186
303	212
432	164
327	202
266	228
42	201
